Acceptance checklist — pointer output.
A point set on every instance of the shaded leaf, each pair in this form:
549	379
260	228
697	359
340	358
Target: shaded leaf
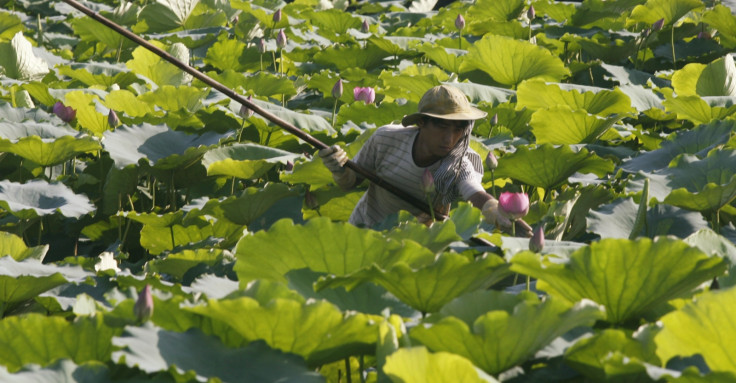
37	198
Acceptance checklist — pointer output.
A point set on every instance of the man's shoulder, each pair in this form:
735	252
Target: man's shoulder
394	130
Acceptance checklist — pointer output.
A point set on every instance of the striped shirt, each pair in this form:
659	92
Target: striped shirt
388	154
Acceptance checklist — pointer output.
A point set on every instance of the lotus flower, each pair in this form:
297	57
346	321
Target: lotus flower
66	113
513	205
366	94
281	39
245	111
658	25
337	89
277	16
365	28
460	22
536	242
112	119
427	182
491	161
143	308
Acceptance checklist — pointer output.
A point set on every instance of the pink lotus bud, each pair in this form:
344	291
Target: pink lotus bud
536	242
245	111
289	166
427	182
658	25
491	161
367	94
513	205
494	119
143	308
310	200
277	16
112	119
704	35
281	39
365	28
66	113
337	89
460	22
262	46
531	13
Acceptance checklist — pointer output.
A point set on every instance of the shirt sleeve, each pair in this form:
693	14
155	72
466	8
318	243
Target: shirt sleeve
472	180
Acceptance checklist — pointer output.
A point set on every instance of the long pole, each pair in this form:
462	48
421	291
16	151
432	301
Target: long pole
417	203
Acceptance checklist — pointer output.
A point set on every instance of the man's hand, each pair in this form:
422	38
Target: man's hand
334	158
494	216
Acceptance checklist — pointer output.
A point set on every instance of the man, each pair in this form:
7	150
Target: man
434	138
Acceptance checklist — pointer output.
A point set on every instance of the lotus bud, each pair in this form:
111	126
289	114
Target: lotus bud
112	119
646	33
704	35
281	39
427	182
513	205
494	119
310	200
23	99
531	13
658	25
491	161
245	111
235	20
262	46
66	113
143	308
460	22
337	89
365	28
289	166
536	242
366	94
277	16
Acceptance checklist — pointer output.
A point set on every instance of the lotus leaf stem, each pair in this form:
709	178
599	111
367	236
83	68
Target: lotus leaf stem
348	376
672	41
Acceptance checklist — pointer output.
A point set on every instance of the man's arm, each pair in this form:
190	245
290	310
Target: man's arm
334	159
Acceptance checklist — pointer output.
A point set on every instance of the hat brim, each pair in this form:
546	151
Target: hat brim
471	115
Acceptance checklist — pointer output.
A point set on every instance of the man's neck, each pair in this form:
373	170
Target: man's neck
420	153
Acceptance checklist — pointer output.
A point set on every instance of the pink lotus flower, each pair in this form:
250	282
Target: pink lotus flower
427	182
366	94
460	22
536	242
513	205
66	113
143	308
337	89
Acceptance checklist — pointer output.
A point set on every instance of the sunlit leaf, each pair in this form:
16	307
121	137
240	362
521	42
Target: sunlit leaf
44	143
598	101
18	61
150	65
417	365
561	125
717	78
669	10
246	161
14	246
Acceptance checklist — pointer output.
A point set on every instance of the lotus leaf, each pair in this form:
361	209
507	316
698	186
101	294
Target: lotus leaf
428	287
616	220
720	18
250	205
495	11
697	110
99	74
628	277
317	331
599	101
9	25
154	349
417	365
246	161
669	10
506	336
561	125
151	66
39	339
178	264
14	246
351	57
703	185
715	79
63	370
87	115
547	167
711	243
510	61
320	245
705	326
45	144
18	61
39	198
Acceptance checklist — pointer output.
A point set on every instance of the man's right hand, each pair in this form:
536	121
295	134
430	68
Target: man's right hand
334	158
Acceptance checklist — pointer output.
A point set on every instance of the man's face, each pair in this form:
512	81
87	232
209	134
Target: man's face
441	136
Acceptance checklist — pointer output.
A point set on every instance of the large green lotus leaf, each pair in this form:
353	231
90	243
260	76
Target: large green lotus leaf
503	338
720	18
385	113
599	101
430	286
417	365
697	141
43	149
616	220
226	55
510	61
176	98
99	74
489	94
697	109
87	115
179	263
441	56
156	145
37	198
40	339
717	78
63	370
303	121
125	101
353	56
435	238
18	61
560	125
333	203
628	277
597	357
157	239
703	185
20	281
669	10
407	86
153	219
332	22
153	349
706	326
711	243
547	167
263	84
251	204
166	15
153	67
246	161
14	246
90	30
320	245
494	11
318	331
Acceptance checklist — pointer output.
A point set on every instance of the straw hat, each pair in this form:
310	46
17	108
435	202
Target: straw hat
445	102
